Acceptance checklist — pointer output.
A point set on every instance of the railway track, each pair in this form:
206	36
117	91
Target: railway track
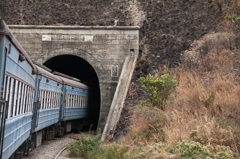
52	149
60	152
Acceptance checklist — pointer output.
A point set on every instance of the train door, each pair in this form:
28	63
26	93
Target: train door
3	115
36	104
3	103
63	103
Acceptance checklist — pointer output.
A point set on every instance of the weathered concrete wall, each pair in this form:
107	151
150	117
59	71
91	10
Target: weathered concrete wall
105	48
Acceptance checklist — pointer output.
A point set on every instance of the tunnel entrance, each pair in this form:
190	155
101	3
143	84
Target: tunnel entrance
79	68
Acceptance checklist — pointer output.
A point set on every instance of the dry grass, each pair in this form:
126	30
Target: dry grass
206	100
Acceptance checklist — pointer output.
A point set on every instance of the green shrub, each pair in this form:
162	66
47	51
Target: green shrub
195	150
113	152
87	148
158	88
90	148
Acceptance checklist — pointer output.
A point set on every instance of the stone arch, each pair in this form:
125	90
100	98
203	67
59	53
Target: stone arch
84	54
80	68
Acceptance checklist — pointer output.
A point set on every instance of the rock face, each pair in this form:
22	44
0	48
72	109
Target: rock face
167	27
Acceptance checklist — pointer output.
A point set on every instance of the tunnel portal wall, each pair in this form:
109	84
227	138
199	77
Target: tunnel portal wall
105	48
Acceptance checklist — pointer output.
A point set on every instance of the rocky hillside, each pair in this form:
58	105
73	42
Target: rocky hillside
167	28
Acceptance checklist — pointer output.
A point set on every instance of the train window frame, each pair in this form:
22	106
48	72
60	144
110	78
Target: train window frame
8	89
11	98
19	98
15	98
23	98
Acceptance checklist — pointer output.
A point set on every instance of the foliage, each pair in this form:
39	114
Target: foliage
87	148
233	18
113	152
90	148
158	88
147	125
195	150
208	102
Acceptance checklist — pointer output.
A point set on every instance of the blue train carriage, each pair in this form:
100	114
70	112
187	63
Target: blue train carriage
17	80
48	96
74	108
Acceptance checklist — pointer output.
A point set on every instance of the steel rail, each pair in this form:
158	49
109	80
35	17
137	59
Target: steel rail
59	153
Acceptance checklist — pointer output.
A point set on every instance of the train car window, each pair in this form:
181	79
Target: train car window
76	100
84	100
22	100
80	101
42	104
48	99
8	92
40	98
72	101
6	88
32	95
69	104
31	99
19	98
58	99
66	99
12	97
53	99
69	100
74	96
16	99
26	100
83	105
43	99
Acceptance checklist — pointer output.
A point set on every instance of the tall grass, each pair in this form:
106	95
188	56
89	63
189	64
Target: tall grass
206	101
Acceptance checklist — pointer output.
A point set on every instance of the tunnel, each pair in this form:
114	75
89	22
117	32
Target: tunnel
79	68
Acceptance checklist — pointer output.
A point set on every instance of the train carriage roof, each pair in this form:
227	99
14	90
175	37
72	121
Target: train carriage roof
46	73
4	30
72	82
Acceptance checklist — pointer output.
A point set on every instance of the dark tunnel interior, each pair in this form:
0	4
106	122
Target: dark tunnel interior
79	68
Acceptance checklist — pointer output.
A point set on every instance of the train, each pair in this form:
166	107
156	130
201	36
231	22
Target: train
36	103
